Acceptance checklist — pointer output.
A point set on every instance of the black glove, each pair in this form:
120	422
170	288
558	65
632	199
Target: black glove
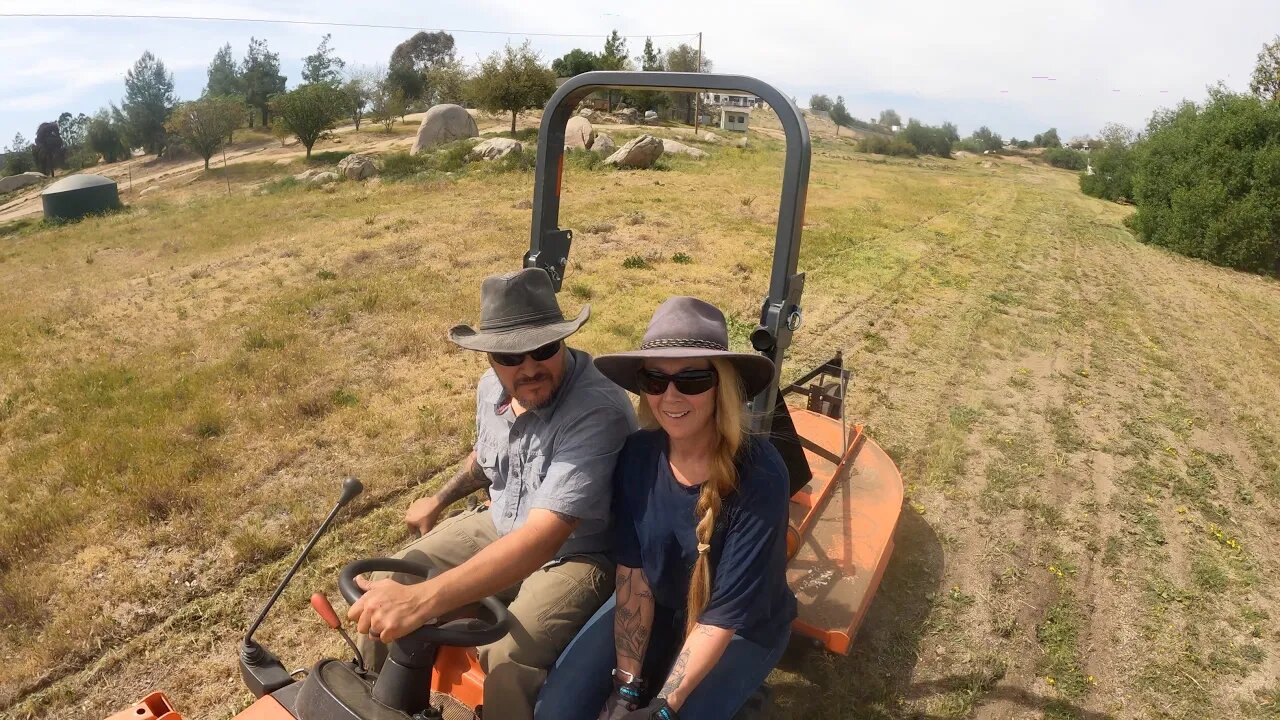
623	699
656	710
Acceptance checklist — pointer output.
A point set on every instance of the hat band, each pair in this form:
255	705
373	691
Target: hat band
506	323
683	343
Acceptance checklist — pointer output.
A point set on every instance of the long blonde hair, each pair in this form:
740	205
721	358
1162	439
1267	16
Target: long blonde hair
723	480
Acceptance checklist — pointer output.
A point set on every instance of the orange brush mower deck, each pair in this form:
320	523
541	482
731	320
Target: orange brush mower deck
842	526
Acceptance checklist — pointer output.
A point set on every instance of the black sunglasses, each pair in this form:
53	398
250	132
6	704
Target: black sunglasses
688	382
546	352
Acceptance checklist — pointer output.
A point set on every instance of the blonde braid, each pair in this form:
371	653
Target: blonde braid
722	482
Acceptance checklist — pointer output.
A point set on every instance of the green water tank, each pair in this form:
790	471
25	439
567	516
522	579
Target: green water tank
75	196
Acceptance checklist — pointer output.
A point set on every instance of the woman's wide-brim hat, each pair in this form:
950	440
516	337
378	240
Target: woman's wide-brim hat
685	327
518	313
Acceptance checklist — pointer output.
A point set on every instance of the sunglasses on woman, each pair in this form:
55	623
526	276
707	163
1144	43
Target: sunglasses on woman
688	382
546	352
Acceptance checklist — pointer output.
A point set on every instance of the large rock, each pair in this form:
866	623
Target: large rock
642	152
604	144
628	115
357	167
494	149
712	138
578	133
316	176
679	148
444	124
14	182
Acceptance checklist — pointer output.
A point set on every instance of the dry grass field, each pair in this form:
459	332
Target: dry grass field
1088	427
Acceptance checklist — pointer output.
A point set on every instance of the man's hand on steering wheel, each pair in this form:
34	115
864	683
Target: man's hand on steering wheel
389	610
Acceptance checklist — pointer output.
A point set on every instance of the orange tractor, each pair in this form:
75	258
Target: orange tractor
846	492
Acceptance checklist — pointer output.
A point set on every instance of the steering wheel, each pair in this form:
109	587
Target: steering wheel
463	632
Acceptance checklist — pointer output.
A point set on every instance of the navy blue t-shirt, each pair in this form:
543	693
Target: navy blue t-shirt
655	531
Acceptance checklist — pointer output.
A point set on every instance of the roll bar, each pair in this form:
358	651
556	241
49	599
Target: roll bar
549	244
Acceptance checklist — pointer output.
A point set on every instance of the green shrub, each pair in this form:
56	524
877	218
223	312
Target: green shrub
882	145
1066	158
682	258
402	164
1113	166
635	262
1207	181
926	139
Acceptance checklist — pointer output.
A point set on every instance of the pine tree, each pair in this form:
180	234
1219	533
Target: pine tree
148	100
260	73
323	66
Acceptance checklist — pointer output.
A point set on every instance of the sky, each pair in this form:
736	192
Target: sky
981	62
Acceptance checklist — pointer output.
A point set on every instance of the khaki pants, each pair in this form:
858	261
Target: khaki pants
547	610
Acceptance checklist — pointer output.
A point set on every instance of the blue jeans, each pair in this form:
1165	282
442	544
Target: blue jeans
580	682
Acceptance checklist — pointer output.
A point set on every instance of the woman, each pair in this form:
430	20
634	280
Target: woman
701	612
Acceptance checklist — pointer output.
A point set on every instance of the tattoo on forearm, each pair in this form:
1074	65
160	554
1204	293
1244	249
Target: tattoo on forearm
678	671
469	479
633	616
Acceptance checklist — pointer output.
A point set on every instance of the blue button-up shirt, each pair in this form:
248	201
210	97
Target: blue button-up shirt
559	457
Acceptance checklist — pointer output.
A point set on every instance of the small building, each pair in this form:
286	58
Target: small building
734	119
730	100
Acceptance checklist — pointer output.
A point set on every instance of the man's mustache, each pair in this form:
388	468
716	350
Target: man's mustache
533	379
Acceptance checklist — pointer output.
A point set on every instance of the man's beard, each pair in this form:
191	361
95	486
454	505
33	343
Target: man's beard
529	400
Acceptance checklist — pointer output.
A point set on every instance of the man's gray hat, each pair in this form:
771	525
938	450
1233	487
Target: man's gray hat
685	327
518	313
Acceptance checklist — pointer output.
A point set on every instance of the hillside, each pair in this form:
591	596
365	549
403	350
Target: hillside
1086	425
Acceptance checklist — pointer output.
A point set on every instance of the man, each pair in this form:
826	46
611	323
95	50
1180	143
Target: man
549	427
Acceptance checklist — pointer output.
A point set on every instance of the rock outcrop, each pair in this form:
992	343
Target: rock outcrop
444	124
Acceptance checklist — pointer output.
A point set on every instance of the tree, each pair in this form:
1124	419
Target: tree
323	66
952	133
839	115
614	56
1206	181
310	111
926	139
386	105
106	137
1265	82
511	81
358	91
683	58
204	125
410	83
260	73
148	99
1048	139
446	82
819	103
73	129
576	62
890	118
18	157
416	59
423	51
984	139
1112	157
49	151
651	58
223	75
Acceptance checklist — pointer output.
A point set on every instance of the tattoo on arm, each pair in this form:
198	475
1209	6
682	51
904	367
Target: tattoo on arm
469	479
632	618
678	671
